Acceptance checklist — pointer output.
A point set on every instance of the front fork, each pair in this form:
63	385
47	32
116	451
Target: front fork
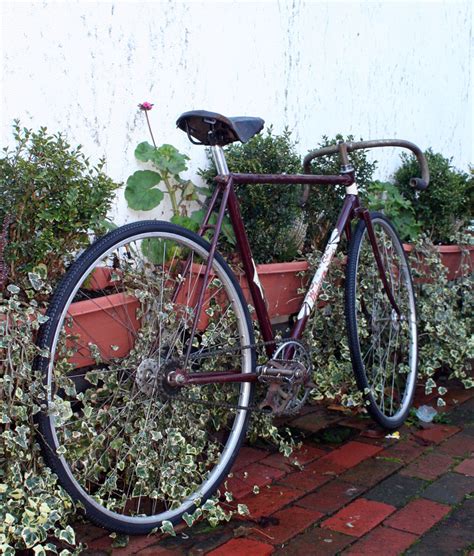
365	215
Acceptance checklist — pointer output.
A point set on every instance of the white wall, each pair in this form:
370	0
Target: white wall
374	69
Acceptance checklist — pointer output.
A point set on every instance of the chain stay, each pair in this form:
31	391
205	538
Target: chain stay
254	408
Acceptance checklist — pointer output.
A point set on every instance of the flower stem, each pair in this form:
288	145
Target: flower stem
172	194
149	128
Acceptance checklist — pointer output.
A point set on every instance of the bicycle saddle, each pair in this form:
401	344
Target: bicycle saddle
210	128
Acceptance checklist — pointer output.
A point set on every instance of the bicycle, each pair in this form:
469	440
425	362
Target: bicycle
148	400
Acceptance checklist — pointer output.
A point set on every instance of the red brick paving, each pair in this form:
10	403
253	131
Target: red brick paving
382	540
247	456
350	454
466	467
296	500
256	474
242	547
302	456
331	496
316	541
359	517
269	500
155	551
102	543
292	521
459	445
404	451
437	433
429	467
418	516
313	476
371	471
136	544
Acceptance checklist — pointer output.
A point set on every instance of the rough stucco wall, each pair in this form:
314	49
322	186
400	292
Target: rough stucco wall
373	69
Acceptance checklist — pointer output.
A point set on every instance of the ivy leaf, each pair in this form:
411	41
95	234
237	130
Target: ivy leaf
29	536
140	191
13	289
167	527
242	509
120	541
35	280
188	518
67	535
145	151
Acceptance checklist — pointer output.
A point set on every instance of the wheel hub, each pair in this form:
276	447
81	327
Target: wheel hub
152	379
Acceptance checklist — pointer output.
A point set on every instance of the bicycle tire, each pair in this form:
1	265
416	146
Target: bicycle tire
130	450
383	346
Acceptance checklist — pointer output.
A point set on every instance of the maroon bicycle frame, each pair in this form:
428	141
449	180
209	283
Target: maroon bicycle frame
351	209
225	187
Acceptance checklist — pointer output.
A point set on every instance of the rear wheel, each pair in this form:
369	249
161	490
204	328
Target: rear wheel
383	344
131	449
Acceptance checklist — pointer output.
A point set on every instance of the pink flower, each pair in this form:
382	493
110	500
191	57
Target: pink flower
145	106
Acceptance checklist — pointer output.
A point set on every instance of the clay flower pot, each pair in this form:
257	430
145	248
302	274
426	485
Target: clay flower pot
100	321
458	259
280	283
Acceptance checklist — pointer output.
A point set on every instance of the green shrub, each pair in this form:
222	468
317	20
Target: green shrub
56	199
271	213
386	198
324	201
447	205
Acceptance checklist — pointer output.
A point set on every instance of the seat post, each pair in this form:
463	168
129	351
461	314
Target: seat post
219	160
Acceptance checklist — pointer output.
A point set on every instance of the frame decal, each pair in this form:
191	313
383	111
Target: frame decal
313	291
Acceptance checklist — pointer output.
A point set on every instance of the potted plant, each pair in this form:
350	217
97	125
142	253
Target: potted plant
443	211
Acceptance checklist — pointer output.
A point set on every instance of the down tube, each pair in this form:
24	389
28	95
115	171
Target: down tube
351	202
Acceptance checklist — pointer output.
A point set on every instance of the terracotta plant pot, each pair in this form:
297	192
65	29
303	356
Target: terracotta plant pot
458	259
100	279
280	283
102	317
100	321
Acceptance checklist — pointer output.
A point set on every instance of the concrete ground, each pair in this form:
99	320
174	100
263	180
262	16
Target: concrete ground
358	493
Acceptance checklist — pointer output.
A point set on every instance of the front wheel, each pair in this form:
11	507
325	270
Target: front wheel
382	342
133	450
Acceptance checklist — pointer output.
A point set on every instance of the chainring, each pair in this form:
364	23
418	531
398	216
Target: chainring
288	374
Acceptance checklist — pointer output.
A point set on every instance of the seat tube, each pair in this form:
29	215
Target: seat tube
219	160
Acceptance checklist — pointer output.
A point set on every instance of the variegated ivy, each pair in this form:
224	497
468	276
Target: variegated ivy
444	310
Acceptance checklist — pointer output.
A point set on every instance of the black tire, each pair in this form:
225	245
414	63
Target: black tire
131	449
383	345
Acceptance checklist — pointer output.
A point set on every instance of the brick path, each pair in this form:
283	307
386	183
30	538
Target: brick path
366	495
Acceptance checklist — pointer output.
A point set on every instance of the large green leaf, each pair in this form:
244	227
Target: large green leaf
168	159
145	151
185	222
160	251
140	190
